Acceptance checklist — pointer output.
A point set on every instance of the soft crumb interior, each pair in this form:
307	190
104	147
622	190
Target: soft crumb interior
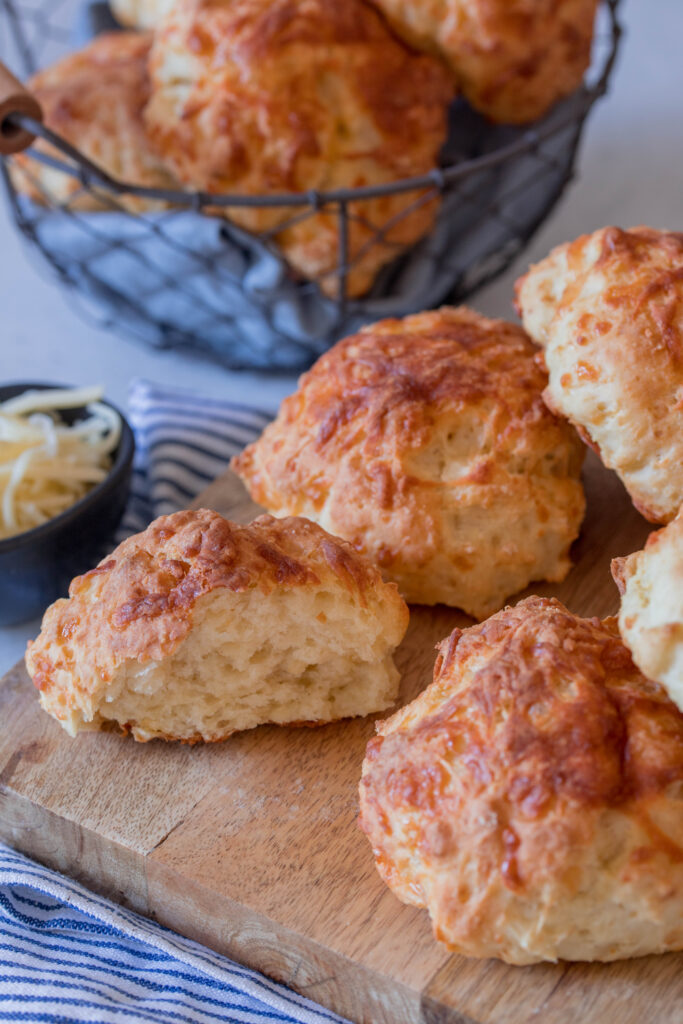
251	659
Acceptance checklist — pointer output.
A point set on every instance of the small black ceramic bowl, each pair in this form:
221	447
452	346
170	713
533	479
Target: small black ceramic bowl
37	566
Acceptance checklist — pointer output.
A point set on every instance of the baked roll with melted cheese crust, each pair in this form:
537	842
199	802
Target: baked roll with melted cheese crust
94	99
532	796
608	311
198	627
651	613
273	96
512	58
426	444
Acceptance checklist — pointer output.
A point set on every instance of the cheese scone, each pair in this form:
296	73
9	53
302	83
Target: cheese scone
256	97
425	442
94	98
651	613
608	311
198	627
512	58
531	798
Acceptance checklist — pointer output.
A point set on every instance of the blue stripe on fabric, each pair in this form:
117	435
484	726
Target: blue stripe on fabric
169	411
36	903
152	987
97	901
105	961
205	432
174	416
166	959
144	396
187	451
201	980
125	1010
236	969
237	433
87	985
167	488
127	916
111	964
35	1018
65	922
295	1001
169	459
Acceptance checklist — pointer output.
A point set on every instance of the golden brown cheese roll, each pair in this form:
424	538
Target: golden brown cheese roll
94	99
512	58
272	96
425	443
531	797
198	627
608	311
651	614
140	13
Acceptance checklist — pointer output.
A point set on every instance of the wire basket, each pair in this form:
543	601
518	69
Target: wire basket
185	278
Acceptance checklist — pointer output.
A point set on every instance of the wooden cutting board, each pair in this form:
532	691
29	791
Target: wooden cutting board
251	846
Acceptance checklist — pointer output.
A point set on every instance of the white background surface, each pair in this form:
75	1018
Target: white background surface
630	172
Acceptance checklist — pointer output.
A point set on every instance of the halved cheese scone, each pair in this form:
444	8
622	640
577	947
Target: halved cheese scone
198	627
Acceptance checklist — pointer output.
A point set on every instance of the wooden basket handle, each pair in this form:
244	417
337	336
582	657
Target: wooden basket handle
14	99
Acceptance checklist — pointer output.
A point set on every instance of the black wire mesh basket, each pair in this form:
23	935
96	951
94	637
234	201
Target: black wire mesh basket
186	278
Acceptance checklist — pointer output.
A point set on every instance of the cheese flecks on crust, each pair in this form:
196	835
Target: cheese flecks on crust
531	797
198	627
512	58
608	311
425	442
94	98
255	97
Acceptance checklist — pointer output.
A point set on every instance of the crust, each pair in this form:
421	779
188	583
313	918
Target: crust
262	96
94	99
522	797
608	309
425	442
138	603
512	58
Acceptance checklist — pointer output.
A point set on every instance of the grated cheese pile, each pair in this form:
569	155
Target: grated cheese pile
45	464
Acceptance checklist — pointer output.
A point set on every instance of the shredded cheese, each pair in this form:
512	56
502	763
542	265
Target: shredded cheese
47	465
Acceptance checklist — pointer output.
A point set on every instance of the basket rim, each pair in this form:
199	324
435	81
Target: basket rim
89	173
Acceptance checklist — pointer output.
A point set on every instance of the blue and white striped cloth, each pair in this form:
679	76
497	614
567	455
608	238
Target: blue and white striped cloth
69	955
183	442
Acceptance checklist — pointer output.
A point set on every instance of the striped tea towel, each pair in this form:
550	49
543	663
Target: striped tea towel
69	955
183	442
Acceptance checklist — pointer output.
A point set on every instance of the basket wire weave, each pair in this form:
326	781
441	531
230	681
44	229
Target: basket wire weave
496	186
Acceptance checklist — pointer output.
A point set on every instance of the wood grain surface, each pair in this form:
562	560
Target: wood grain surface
251	846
